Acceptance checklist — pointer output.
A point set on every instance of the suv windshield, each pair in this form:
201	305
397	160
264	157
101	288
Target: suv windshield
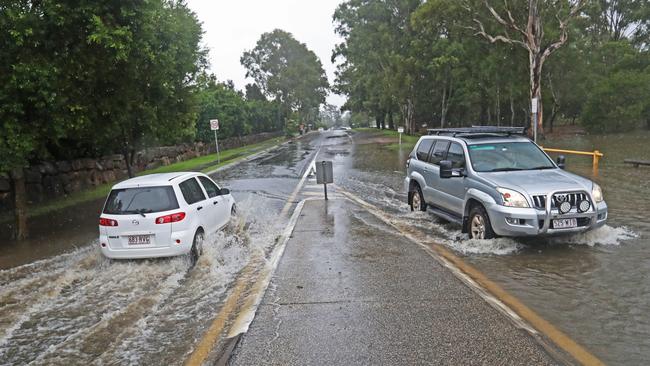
508	156
140	200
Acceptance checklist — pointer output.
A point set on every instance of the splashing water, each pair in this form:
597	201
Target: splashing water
80	307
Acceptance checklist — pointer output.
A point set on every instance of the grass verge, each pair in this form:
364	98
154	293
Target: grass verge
408	141
201	163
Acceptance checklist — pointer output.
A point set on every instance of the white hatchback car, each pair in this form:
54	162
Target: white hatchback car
162	215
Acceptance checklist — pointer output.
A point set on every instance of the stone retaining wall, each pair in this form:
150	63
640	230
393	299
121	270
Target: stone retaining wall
47	180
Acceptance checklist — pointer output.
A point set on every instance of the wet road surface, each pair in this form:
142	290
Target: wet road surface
69	305
352	290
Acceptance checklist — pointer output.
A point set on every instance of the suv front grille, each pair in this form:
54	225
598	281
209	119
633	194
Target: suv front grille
573	198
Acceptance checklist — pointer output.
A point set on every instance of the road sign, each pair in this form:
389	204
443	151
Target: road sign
214	126
324	174
400	129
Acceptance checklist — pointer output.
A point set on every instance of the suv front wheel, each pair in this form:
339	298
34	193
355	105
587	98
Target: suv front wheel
479	226
417	199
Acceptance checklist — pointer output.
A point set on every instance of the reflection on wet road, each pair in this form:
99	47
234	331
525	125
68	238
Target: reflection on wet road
80	308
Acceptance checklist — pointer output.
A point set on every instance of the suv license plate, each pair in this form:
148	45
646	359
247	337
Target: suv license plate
139	239
565	223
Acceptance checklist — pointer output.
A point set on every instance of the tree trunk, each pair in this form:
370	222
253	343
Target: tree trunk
512	110
552	119
536	92
127	160
20	204
391	123
443	111
498	106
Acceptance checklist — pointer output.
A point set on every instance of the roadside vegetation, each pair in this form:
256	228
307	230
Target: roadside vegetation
452	63
204	164
86	79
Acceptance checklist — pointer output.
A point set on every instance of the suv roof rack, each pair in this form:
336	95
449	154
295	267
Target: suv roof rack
476	131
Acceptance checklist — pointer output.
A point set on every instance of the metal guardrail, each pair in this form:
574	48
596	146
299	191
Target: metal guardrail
596	155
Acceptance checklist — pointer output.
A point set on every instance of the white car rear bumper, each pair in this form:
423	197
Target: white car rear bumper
170	249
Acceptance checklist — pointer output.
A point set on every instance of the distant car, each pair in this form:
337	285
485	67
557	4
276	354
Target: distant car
162	215
496	182
320	129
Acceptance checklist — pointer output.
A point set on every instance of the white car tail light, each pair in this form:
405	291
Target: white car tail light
107	222
175	217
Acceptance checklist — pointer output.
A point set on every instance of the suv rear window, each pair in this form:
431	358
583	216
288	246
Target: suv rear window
423	149
439	151
129	201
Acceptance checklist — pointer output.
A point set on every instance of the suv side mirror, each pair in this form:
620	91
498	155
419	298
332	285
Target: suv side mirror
445	169
224	191
561	160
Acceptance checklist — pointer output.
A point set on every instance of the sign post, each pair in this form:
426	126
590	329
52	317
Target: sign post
324	174
533	109
400	130
214	126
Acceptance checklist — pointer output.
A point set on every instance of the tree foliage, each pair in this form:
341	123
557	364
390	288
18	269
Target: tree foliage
430	64
288	72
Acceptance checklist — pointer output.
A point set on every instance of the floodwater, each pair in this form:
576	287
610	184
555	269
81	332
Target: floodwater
594	286
63	303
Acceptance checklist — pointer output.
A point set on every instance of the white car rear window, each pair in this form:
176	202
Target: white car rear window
140	200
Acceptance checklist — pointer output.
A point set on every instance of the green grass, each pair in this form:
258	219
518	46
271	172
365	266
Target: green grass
201	163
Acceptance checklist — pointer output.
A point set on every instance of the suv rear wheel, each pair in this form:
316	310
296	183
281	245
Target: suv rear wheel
479	224
417	199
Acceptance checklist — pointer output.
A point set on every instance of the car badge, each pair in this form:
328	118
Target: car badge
561	197
135	222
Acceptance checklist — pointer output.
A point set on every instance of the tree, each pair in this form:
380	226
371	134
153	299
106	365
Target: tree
531	38
148	59
330	116
287	71
85	75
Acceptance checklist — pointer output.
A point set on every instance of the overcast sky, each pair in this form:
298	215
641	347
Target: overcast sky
231	27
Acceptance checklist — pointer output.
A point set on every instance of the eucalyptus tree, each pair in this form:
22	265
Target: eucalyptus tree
288	72
530	35
377	68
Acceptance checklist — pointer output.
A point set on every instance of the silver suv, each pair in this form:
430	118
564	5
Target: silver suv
496	182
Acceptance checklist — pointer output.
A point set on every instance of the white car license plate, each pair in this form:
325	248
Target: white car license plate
139	239
565	223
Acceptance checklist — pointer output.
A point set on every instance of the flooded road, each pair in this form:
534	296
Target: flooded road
70	305
595	286
61	302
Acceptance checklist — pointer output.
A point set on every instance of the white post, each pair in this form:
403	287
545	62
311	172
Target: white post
216	142
533	108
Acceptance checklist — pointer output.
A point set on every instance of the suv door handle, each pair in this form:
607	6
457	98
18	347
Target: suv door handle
215	202
199	208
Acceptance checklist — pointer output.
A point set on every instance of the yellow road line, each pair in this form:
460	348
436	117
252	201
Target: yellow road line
202	350
558	337
204	347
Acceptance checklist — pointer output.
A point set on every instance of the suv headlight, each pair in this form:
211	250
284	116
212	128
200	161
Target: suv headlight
597	193
512	198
